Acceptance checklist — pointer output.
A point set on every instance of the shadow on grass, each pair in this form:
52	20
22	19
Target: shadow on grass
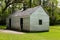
36	31
28	31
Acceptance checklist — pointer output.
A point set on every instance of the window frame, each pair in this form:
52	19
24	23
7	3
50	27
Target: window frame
40	21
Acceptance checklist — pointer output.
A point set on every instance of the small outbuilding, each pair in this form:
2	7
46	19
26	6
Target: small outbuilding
32	19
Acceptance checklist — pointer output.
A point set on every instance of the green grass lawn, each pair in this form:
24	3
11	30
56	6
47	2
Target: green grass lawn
53	34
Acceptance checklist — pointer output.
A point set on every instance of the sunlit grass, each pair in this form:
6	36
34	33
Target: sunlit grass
53	34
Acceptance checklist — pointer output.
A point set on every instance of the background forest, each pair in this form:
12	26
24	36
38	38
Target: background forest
7	7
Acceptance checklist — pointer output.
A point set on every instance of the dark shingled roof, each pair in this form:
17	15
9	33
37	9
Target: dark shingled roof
25	13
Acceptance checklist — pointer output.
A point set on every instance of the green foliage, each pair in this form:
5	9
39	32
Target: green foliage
2	27
8	7
53	11
5	8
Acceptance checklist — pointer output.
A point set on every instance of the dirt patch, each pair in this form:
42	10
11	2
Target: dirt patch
11	32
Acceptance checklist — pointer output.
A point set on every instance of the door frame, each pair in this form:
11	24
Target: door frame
21	24
9	23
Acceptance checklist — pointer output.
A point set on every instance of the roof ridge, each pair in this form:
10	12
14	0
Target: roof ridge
28	11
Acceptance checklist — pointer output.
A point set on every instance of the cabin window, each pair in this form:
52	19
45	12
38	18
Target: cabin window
40	22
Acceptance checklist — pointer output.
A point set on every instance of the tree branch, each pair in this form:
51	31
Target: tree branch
10	2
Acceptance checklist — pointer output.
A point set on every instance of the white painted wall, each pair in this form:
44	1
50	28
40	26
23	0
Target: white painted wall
7	22
15	23
34	20
26	23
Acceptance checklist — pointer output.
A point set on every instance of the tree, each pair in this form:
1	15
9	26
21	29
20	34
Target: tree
52	5
10	2
4	5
